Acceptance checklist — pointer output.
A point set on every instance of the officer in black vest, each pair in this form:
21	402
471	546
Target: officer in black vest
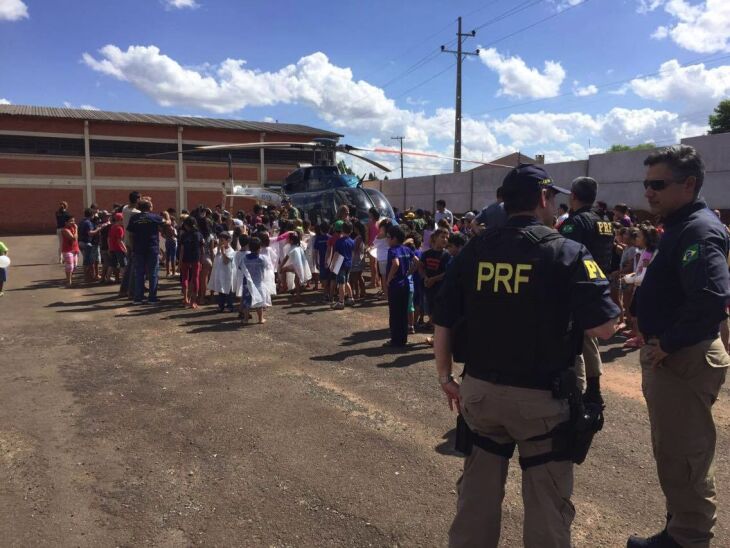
587	226
523	295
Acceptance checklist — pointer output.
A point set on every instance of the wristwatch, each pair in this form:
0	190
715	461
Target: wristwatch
446	379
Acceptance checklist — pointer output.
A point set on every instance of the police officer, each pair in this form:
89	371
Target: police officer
680	305
586	226
542	289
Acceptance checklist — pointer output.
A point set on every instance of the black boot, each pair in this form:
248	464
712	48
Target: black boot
660	540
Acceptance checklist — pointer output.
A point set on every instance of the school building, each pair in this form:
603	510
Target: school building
86	156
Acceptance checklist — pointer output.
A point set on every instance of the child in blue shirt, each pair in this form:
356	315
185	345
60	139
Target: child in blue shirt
400	266
344	246
320	250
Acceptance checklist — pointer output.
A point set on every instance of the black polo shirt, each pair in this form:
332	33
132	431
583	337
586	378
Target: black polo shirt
686	288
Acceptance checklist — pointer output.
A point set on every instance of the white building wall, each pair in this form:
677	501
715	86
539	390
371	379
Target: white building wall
619	174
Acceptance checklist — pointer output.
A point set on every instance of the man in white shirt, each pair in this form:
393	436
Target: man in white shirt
562	216
443	213
126	288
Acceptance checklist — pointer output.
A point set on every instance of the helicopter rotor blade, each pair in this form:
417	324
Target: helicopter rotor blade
429	155
270	144
368	160
244	146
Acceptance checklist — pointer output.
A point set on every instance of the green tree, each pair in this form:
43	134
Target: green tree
624	148
344	168
720	120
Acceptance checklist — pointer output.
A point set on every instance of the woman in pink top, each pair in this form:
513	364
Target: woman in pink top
70	248
374	218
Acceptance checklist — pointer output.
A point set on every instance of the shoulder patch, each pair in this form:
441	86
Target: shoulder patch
567	228
593	271
690	254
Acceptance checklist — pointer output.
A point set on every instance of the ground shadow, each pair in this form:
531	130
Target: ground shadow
87	302
228	323
446	447
54	283
614	353
359	337
407	360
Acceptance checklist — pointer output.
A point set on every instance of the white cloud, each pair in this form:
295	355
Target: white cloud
565	4
645	6
4	101
619	125
633	126
704	27
623	90
660	33
367	115
417	102
584	91
13	10
68	104
692	84
544	127
182	4
519	80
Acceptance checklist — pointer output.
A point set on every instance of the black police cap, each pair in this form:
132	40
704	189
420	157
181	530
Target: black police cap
529	178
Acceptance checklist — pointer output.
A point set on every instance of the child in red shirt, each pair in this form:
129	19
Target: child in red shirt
117	249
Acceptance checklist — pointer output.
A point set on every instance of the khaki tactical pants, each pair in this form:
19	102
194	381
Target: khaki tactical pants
591	356
510	414
679	397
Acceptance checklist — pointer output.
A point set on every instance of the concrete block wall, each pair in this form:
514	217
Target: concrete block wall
619	175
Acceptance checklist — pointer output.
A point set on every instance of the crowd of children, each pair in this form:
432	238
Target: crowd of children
250	257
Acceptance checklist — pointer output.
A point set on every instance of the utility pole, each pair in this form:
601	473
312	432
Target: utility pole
460	53
401	154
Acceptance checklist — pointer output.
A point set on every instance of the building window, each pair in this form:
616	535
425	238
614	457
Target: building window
107	148
52	146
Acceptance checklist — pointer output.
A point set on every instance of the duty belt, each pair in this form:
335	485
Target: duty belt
538	382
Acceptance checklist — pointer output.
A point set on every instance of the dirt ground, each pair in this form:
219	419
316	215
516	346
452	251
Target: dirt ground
160	426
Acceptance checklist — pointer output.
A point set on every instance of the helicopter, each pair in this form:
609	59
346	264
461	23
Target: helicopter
317	189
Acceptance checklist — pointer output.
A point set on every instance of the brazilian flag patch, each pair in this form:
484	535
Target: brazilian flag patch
567	229
690	254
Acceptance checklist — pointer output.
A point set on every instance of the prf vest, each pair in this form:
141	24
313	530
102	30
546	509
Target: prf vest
518	326
598	236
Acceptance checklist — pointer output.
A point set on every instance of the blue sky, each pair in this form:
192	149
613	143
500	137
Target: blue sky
342	66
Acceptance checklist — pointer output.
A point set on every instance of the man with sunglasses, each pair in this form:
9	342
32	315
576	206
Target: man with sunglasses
680	305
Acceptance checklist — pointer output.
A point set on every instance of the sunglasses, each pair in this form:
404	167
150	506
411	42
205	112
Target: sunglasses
656	184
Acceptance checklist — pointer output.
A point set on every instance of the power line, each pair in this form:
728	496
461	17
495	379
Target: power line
415	66
485	6
509	13
528	27
432	55
426	81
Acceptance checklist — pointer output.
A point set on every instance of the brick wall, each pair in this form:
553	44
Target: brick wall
23	166
32	211
220	173
209	198
162	199
134	170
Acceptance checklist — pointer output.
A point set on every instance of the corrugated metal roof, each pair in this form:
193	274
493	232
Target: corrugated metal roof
162	119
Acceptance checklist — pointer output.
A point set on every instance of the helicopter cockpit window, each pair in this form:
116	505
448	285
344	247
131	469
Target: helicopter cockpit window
295	181
318	179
